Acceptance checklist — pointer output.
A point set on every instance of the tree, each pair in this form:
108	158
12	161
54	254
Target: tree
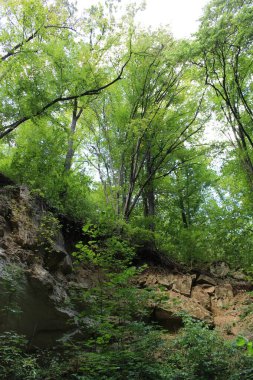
183	200
224	44
49	57
134	129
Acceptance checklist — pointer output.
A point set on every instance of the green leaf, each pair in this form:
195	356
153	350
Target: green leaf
241	341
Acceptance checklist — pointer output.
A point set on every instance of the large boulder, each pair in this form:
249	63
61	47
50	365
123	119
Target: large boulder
219	269
204	279
202	297
169	313
183	284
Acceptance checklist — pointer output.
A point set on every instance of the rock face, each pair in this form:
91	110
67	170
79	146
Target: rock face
34	269
203	297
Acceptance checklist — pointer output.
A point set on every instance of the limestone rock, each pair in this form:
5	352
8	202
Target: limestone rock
5	181
201	296
167	319
208	289
183	284
150	280
219	269
239	276
178	303
2	253
66	265
85	278
32	299
203	279
224	291
35	306
167	280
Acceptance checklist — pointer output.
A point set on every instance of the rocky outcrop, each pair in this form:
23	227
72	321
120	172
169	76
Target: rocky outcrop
213	299
35	269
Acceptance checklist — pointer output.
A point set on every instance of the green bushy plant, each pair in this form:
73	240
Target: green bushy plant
14	363
48	229
103	249
201	354
12	284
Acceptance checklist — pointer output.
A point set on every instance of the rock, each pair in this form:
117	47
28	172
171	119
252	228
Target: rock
178	304
183	284
167	280
54	258
239	276
203	279
219	269
2	253
224	291
201	296
40	278
24	193
167	319
151	280
32	300
208	289
5	181
66	265
31	304
4	204
57	257
2	226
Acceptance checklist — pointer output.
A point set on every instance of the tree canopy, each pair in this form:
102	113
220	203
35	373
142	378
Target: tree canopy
106	119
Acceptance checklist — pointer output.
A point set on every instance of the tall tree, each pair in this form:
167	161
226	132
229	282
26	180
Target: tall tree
225	46
135	129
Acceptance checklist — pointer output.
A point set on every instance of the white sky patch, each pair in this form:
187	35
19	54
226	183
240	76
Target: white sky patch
181	15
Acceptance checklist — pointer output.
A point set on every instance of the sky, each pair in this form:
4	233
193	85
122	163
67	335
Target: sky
180	15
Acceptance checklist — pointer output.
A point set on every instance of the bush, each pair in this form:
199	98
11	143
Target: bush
200	354
14	364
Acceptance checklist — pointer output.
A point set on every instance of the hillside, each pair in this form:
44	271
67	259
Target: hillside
45	293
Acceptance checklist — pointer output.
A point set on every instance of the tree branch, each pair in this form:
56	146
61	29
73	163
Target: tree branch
12	51
11	127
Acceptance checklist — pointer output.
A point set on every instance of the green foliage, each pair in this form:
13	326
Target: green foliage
206	355
199	353
120	342
106	252
38	161
140	237
12	284
134	359
139	351
48	230
244	342
14	363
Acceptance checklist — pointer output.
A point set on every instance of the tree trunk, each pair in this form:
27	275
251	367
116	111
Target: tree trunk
149	194
183	213
70	152
245	157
